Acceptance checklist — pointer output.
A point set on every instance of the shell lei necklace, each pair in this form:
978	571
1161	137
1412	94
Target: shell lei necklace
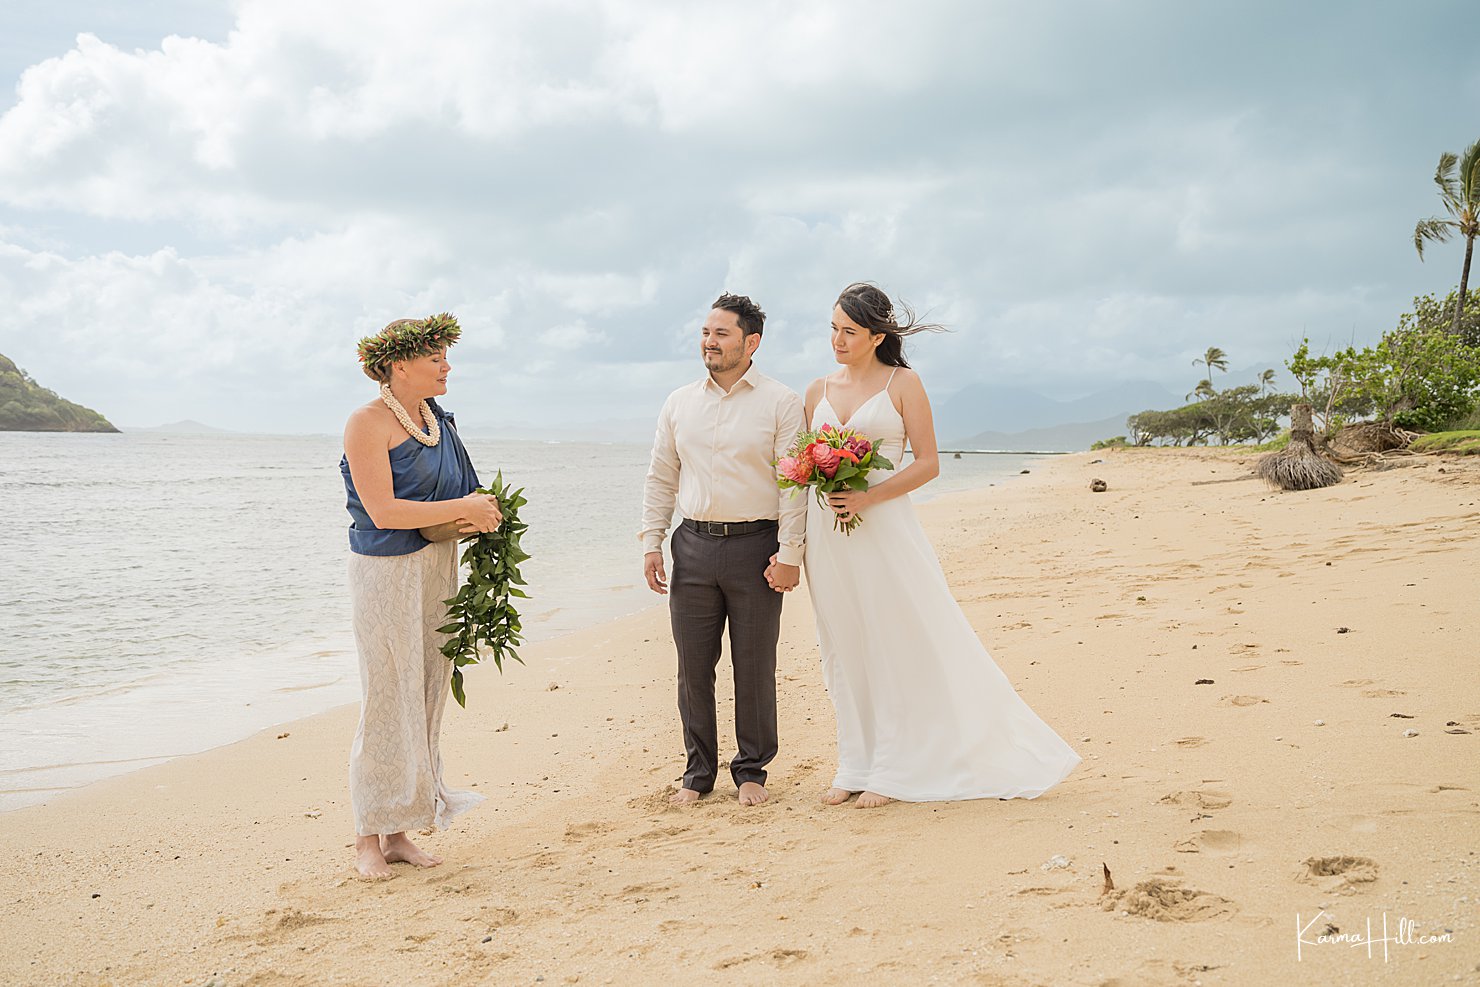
431	436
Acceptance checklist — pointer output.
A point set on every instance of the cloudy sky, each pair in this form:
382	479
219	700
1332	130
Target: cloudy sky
203	205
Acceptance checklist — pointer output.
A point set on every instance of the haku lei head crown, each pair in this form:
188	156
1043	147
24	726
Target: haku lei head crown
406	339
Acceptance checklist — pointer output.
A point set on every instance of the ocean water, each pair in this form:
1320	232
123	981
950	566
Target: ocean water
164	594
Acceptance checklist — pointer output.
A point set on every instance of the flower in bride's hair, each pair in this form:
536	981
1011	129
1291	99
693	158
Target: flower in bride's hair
826	458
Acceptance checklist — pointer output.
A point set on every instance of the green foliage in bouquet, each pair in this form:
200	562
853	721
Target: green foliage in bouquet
482	612
829	460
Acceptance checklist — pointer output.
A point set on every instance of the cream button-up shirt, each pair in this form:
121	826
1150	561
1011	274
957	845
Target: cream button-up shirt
713	455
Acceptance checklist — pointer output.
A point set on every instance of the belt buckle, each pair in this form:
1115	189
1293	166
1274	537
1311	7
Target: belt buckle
722	526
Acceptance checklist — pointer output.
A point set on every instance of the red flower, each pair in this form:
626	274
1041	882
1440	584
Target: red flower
859	446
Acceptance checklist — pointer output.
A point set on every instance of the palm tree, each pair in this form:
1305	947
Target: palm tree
1266	381
1214	359
1204	389
1461	198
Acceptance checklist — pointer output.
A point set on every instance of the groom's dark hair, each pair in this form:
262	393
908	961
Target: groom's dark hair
752	319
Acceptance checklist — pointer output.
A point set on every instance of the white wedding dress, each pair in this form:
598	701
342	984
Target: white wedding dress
924	713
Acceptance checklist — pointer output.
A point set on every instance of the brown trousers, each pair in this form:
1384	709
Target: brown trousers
719	580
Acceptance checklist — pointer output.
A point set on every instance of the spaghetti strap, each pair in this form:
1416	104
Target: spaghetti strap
891	378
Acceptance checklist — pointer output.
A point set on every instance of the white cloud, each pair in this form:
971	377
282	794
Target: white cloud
205	227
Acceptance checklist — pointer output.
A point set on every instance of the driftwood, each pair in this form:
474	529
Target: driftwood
1300	465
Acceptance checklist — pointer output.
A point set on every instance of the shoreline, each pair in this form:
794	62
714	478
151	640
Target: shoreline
1208	803
270	707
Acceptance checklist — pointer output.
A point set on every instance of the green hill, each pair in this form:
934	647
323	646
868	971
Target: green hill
26	406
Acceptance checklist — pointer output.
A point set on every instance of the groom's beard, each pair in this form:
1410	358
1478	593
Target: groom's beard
719	362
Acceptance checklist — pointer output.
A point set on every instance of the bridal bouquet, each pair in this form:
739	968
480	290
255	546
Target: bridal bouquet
483	611
830	460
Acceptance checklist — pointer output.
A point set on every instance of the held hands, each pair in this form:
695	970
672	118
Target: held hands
652	569
846	503
781	577
481	514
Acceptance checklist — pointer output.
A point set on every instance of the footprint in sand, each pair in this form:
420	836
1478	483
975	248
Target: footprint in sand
1383	693
1166	900
1357	683
1242	700
777	957
1342	875
1215	842
290	921
581	831
1191	741
1206	799
643	892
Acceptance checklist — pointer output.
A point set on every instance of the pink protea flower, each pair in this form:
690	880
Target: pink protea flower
826	458
791	468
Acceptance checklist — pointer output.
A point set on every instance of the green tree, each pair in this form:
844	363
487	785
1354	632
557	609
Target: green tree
1461	198
1418	378
1432	314
1213	359
1202	391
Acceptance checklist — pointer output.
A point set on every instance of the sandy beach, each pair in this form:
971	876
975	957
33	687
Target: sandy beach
1326	625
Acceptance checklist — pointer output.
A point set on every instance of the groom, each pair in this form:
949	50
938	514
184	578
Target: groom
716	441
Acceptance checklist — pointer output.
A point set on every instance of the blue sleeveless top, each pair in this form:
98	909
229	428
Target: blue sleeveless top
418	472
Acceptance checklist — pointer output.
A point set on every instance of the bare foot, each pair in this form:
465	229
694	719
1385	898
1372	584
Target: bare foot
752	793
872	800
684	796
399	849
369	861
836	796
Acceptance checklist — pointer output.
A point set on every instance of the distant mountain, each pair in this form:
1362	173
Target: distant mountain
1008	410
26	406
1072	437
185	427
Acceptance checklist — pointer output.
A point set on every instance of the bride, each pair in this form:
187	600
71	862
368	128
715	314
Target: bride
923	712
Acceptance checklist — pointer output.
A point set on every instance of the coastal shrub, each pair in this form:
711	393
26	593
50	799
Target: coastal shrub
1418	376
1119	442
1463	423
1430	313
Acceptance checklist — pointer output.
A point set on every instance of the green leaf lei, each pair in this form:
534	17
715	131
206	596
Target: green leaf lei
406	339
482	612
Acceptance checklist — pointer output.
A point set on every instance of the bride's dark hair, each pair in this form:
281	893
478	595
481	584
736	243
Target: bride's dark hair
866	305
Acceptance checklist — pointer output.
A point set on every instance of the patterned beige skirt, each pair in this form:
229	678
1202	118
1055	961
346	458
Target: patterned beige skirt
395	765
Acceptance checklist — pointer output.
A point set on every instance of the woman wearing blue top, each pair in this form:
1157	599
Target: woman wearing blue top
402	474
